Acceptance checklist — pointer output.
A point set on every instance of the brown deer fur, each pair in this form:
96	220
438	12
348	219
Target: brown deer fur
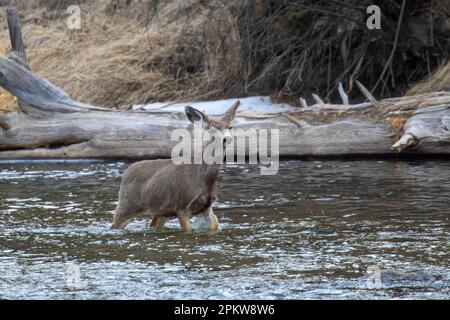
162	189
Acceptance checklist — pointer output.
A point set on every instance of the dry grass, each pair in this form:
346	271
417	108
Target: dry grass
116	60
194	49
439	81
7	101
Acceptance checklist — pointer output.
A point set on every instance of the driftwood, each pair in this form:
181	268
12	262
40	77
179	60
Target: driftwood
50	124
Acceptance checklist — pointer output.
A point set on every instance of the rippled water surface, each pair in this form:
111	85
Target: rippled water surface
311	231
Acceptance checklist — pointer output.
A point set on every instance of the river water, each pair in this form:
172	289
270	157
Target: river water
311	232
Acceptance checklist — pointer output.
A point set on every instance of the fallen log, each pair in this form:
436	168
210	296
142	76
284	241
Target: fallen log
50	124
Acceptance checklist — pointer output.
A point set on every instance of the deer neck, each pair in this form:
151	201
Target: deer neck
210	171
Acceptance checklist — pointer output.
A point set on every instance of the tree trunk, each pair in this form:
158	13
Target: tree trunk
50	124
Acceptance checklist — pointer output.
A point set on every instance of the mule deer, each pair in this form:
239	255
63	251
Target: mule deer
162	189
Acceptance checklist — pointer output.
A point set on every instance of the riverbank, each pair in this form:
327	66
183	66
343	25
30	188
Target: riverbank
143	52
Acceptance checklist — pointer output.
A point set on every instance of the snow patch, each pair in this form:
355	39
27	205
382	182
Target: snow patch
258	104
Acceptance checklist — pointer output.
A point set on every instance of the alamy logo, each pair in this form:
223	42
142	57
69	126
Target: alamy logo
73	22
374	20
207	146
374	277
74	277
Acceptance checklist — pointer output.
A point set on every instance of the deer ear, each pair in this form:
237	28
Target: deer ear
194	115
231	112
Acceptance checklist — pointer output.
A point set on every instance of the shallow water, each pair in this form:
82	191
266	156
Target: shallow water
310	232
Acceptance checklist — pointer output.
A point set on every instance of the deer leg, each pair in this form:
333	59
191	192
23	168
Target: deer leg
120	221
158	222
185	220
212	219
122	216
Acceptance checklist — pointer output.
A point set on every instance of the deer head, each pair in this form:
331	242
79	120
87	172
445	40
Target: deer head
219	128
